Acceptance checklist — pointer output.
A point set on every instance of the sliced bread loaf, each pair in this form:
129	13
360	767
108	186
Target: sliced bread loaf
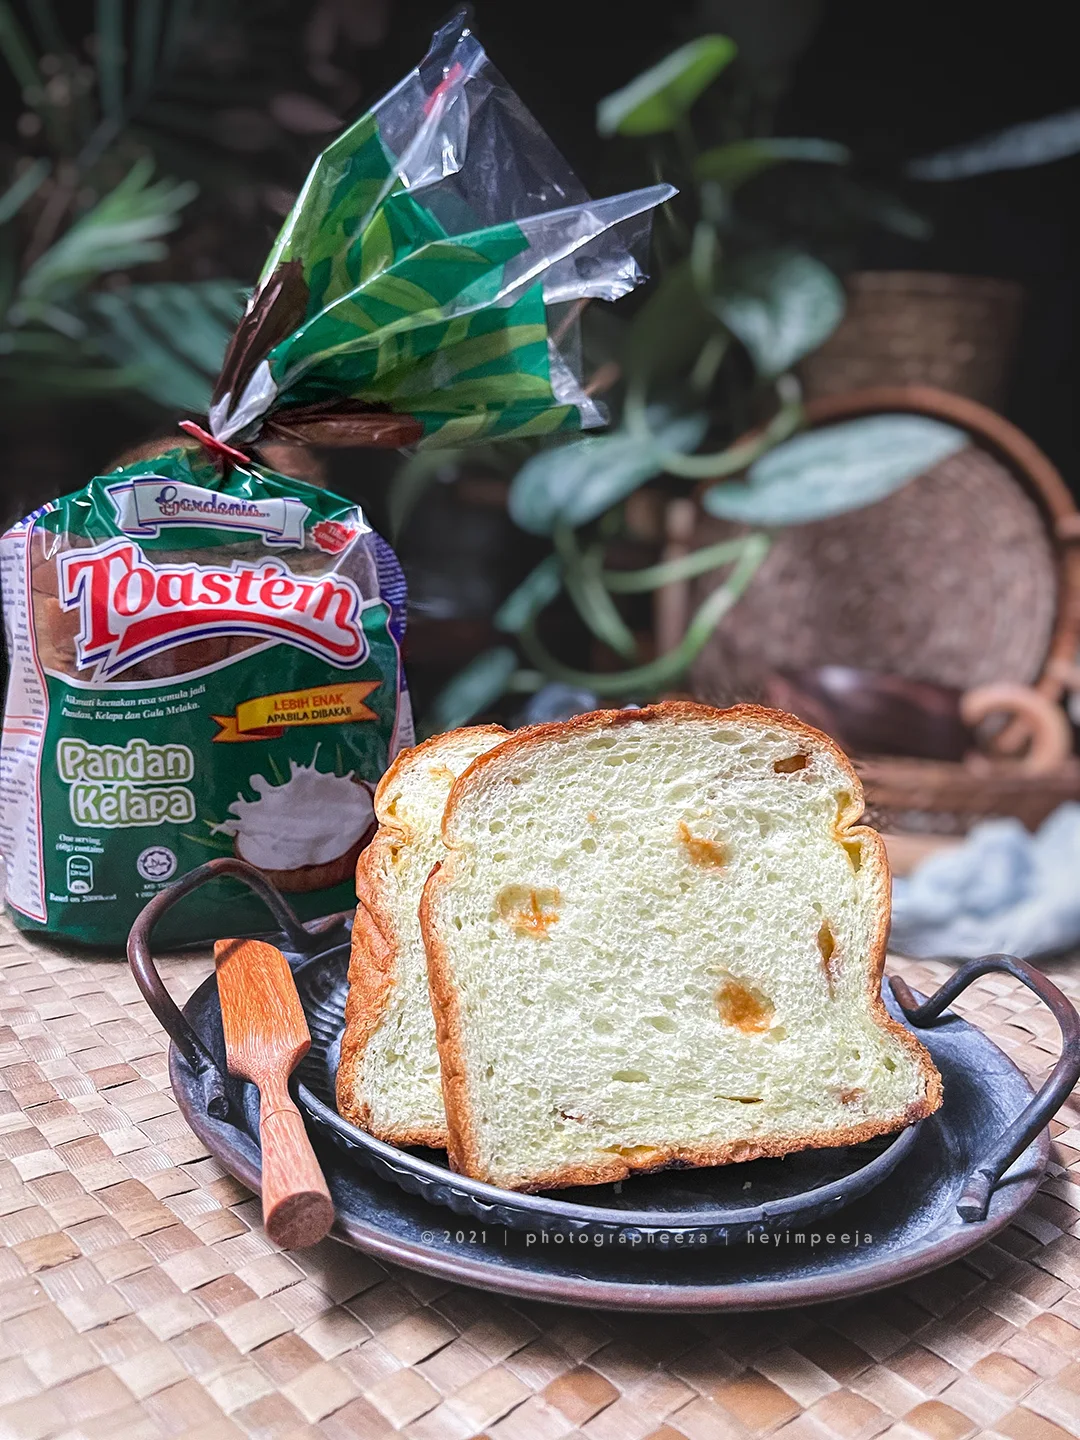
657	938
388	1079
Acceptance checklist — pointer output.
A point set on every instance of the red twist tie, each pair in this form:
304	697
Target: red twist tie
453	75
215	446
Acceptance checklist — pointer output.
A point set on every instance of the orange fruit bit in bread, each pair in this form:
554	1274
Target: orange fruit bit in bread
791	763
529	911
830	959
710	854
746	1009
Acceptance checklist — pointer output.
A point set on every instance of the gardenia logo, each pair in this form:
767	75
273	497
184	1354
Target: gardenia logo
131	608
170	503
148	503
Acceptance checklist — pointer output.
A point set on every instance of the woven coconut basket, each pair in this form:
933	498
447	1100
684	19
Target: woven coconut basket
967	576
913	327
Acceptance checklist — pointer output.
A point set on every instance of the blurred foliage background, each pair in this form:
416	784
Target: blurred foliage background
150	148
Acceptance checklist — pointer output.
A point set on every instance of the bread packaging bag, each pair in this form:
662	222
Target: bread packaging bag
205	655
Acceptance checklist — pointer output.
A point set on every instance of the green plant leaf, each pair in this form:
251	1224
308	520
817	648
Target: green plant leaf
733	164
172	337
17	51
880	208
665	669
198	318
158	371
837	468
668	332
575	483
85	379
20	190
31	341
410	482
122	230
473	689
582	571
658	99
734	459
781	305
536	591
1033	142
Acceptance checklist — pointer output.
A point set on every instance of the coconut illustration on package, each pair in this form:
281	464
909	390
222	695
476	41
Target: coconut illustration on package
206	654
305	834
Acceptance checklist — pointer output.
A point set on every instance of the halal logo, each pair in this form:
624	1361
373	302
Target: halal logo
156	862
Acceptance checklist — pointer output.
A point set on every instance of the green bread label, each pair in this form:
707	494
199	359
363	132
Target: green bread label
199	667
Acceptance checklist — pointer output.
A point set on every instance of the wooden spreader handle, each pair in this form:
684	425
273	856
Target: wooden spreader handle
297	1209
266	1036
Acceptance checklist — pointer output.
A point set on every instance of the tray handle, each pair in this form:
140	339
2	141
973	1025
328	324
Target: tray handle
980	1185
153	988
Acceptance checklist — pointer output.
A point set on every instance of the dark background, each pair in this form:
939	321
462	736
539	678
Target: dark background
891	81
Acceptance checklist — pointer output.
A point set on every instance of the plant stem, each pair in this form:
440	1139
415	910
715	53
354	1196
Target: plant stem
582	578
735	458
709	360
710	557
666	668
704	251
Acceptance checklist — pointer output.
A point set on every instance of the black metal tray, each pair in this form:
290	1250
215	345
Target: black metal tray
949	1190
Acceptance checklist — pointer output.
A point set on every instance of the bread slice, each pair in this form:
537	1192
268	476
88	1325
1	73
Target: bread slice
657	938
388	1080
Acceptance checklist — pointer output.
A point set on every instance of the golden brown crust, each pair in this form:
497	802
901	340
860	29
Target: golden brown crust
373	957
371	979
405	760
735	1152
461	1133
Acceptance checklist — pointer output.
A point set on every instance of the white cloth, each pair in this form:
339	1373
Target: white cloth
1003	889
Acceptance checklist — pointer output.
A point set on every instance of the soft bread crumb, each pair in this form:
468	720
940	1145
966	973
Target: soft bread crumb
641	1155
684	1009
389	1080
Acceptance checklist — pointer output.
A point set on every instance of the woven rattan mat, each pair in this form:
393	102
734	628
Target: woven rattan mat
140	1298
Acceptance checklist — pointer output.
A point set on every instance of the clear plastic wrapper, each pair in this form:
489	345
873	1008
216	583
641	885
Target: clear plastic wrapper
412	277
205	655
